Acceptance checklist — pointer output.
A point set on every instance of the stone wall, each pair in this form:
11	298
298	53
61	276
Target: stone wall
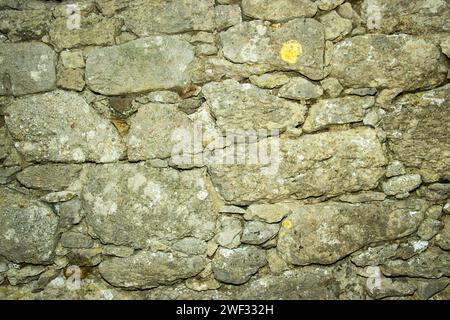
228	149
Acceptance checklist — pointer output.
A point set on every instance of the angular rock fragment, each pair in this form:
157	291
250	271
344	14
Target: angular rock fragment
279	10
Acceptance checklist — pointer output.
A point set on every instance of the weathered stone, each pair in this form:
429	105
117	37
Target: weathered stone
49	177
76	240
270	213
256	232
232	209
401	184
27	67
227	16
85	257
361	91
152	131
28	229
159	62
429	228
314	233
7	174
345	161
29	24
236	266
428	288
59	196
237	107
190	246
380	61
117	251
109	7
363	196
24	275
328	5
417	133
335	25
280	10
432	263
145	17
411	248
332	87
336	111
276	264
380	287
205	49
71	79
300	89
61	127
445	47
229	234
146	270
270	80
443	238
69	213
413	17
298	45
167	205
93	31
373	256
395	168
72	59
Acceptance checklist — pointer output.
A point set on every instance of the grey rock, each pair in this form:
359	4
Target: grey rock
269	213
380	61
227	16
145	17
256	232
270	80
191	246
85	257
167	205
383	287
27	67
146	270
314	233
345	161
28	229
332	87
24	24
49	177
238	107
232	209
428	288
445	47
395	168
276	264
125	68
76	240
361	91
335	25
300	89
24	275
336	111
363	196
117	251
432	263
236	266
7	174
328	5
373	256
429	228
61	127
401	184
72	59
69	212
298	45
229	234
443	237
280	10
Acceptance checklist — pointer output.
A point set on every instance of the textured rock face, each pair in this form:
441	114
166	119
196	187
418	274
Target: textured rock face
324	233
61	127
28	229
314	165
229	149
141	206
26	68
159	62
374	61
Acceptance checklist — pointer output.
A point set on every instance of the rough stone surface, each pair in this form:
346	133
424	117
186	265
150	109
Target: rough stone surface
158	62
256	232
300	89
278	10
28	229
61	127
380	61
27	67
401	184
314	233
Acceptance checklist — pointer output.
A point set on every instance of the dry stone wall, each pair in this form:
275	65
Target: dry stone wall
228	149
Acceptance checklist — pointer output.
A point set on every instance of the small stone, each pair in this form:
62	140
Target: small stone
71	79
270	80
161	97
411	248
401	184
445	47
205	49
395	168
361	91
76	240
346	11
85	257
276	264
69	212
60	196
236	266
72	59
7	174
335	26
279	10
328	5
24	275
373	256
373	117
380	287
363	196
443	237
203	284
117	251
49	177
332	87
434	212
446	207
336	111
429	228
190	246
25	24
227	16
230	232
429	287
211	248
257	232
270	213
300	89
232	209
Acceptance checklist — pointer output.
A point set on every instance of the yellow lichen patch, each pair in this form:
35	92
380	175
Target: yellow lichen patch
290	51
287	224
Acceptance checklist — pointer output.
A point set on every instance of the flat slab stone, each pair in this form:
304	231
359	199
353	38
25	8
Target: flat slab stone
323	233
393	61
27	67
152	63
278	10
60	126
